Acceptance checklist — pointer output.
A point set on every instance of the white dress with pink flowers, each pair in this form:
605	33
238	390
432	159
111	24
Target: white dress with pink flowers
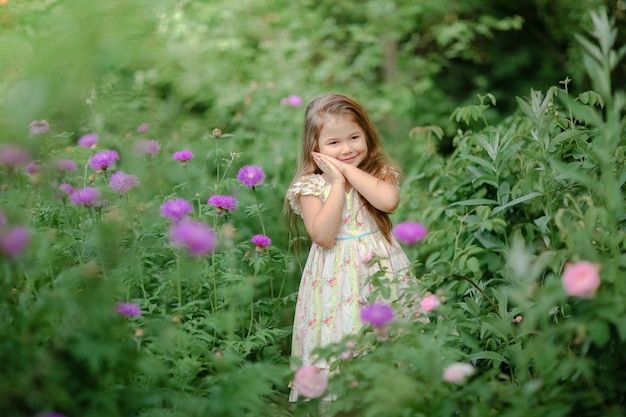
335	283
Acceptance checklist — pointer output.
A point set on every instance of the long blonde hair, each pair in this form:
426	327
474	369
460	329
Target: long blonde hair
339	105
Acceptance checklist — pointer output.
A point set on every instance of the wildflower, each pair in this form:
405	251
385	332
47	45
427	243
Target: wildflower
251	175
66	188
103	160
32	167
457	372
143	128
222	202
39	127
176	209
143	147
310	382
518	319
14	241
121	182
581	279
13	155
65	165
128	309
182	156
377	315
368	258
88	140
217	133
294	101
261	241
87	196
429	303
409	232
196	236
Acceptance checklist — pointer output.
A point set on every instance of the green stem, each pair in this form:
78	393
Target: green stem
493	304
258	210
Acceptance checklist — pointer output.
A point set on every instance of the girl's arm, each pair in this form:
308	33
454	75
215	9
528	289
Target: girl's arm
381	193
323	218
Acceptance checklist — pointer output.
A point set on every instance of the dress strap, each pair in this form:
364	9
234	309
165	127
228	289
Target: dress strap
356	236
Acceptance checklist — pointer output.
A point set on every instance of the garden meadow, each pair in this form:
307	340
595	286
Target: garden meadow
150	272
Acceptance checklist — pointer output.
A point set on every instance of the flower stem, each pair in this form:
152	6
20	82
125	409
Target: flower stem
258	210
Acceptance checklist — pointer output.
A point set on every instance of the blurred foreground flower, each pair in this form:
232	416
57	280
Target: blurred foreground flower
294	101
66	188
65	165
176	209
223	202
182	156
261	241
32	167
87	196
310	382
143	128
429	303
88	140
122	182
128	309
457	372
197	237
409	232
39	127
377	315
581	279
14	241
103	160
251	175
143	147
13	155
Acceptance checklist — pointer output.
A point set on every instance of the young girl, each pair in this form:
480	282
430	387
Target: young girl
344	188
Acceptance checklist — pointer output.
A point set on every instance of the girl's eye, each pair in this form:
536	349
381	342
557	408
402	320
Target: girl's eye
354	138
333	142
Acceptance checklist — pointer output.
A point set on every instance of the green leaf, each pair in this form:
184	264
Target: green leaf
473	202
516	201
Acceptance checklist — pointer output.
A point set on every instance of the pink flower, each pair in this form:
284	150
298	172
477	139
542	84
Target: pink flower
66	188
176	209
39	127
14	241
581	279
13	155
128	309
65	165
143	128
261	240
377	315
294	101
518	319
409	232
310	382
103	160
429	303
457	372
251	175
122	182
87	196
32	167
143	147
368	258
88	140
197	237
182	156
223	202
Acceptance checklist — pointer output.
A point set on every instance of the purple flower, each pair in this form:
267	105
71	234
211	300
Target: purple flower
87	196
14	241
377	315
103	160
176	209
144	147
13	155
143	128
261	240
294	101
88	140
32	167
121	182
409	232
39	127
251	175
66	188
223	202
128	309
197	237
182	156
65	165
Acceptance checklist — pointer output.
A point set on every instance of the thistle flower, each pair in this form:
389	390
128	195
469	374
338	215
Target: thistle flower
197	237
65	165
103	160
66	188
176	210
87	196
88	140
128	309
261	241
223	202
182	156
32	167
409	232
293	101
310	382
581	279
143	147
143	128
39	127
13	155
251	175
121	182
377	315
14	241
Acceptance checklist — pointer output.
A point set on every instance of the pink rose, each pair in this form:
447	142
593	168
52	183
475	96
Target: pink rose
310	382
581	279
457	372
429	303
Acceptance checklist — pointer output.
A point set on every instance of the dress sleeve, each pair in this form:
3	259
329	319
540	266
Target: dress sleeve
390	174
312	184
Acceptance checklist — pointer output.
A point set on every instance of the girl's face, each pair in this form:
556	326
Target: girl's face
343	139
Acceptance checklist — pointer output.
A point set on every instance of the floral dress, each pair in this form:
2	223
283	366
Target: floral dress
335	283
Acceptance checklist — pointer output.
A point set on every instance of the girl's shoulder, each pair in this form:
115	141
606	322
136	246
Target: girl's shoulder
389	174
311	184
